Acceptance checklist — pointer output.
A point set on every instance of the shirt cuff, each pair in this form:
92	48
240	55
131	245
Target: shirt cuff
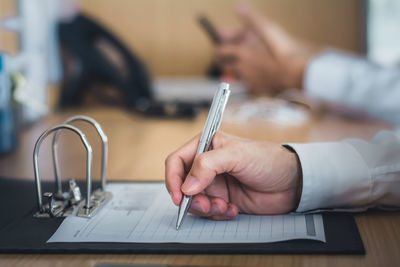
334	176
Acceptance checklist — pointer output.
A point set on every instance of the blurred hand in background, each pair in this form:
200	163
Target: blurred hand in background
263	55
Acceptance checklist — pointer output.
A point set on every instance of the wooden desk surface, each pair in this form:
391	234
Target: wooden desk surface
137	149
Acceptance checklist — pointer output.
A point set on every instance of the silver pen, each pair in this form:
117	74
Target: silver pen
213	122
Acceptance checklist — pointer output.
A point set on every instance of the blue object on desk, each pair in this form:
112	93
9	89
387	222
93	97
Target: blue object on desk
7	130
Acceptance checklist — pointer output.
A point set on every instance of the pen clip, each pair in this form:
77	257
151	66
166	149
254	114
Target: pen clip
219	112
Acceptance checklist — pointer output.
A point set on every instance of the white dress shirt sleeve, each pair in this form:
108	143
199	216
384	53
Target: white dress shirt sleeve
343	78
351	174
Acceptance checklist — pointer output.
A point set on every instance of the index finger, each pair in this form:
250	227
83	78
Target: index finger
176	165
230	35
254	21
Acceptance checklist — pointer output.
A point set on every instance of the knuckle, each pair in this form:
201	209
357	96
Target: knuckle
202	162
218	139
168	159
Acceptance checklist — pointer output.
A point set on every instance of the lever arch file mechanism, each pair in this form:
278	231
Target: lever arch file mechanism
63	203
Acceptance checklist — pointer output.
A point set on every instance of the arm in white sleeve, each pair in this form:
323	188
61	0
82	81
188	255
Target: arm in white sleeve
343	78
350	174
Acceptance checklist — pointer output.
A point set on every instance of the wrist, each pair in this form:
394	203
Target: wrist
297	62
295	70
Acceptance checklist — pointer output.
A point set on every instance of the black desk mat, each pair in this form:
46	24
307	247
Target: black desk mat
20	232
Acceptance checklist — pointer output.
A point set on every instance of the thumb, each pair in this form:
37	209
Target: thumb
205	168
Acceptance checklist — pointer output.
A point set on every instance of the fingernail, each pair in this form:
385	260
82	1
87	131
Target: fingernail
190	184
196	205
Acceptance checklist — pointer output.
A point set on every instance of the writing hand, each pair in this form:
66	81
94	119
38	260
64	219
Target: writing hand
237	175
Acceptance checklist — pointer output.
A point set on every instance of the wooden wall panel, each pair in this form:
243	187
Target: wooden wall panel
9	40
165	33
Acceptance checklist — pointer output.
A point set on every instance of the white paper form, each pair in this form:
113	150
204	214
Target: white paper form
144	213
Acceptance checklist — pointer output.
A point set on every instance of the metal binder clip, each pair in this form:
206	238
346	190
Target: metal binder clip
63	203
104	150
99	197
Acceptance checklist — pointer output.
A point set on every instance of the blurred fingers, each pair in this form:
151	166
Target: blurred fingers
227	54
257	23
230	35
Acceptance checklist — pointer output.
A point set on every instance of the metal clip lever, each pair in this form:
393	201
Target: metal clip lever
74	191
50	202
54	208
